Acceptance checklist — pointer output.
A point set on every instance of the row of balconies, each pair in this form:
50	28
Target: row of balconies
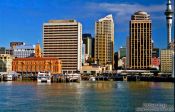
54	34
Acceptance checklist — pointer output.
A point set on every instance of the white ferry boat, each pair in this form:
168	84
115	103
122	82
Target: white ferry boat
44	77
92	79
10	76
73	77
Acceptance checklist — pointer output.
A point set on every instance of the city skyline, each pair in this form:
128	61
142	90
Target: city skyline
24	19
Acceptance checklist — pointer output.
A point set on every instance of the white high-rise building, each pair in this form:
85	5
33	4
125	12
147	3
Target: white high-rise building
63	39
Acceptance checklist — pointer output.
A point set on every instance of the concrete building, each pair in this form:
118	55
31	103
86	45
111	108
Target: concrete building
63	39
122	52
6	62
95	69
9	51
23	51
127	53
93	48
140	45
116	60
122	58
91	70
122	63
166	59
87	40
104	40
83	54
33	65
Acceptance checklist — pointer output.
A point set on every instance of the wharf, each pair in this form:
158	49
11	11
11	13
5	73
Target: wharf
66	78
135	78
117	77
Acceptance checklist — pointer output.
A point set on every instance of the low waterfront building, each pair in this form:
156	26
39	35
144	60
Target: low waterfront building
91	70
166	60
95	69
23	51
5	62
107	68
36	64
122	63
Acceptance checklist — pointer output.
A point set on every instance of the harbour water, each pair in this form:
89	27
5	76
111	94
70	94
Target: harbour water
102	96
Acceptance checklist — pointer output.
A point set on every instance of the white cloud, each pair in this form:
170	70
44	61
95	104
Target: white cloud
125	10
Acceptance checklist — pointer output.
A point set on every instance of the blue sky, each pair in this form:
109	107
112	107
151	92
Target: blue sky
21	20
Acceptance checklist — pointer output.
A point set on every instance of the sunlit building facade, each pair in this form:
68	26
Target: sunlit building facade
166	59
139	43
104	40
63	39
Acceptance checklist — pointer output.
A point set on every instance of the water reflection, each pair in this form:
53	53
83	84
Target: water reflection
83	97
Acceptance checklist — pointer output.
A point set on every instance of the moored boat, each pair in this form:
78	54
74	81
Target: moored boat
44	77
73	77
92	79
10	76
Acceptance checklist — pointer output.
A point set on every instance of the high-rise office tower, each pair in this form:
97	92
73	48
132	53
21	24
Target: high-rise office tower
122	52
116	60
87	40
169	15
139	42
104	40
63	39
